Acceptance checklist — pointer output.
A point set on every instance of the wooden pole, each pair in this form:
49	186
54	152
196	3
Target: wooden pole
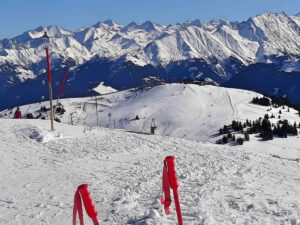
97	110
50	89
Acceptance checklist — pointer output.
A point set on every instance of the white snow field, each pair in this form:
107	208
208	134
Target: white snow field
179	110
40	171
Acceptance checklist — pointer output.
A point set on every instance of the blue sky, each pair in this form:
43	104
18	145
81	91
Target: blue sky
18	16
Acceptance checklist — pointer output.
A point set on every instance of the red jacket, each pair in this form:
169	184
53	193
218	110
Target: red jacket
18	114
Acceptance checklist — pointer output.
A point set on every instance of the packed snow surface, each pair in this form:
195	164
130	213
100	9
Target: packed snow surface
40	171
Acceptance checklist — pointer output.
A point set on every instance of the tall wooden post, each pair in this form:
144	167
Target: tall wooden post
97	110
46	38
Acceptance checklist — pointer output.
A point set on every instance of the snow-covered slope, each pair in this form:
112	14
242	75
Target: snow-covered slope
273	32
40	171
177	110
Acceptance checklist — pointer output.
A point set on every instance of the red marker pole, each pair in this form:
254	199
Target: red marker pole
61	87
170	181
170	161
82	192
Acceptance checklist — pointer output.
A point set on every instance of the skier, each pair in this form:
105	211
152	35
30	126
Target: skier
18	114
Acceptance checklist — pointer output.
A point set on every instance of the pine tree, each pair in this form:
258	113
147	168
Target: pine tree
266	130
266	116
225	129
248	123
229	136
240	141
247	137
295	131
225	140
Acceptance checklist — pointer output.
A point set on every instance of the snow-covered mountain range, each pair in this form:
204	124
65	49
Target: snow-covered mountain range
123	56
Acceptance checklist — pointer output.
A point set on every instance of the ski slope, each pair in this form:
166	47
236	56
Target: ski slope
178	110
218	184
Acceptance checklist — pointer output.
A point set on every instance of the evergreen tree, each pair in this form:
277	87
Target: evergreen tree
225	129
240	141
229	136
261	101
266	130
295	132
225	140
247	137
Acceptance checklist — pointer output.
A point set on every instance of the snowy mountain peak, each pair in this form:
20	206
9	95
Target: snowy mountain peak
52	31
272	14
129	27
196	23
56	31
213	25
108	23
150	26
98	24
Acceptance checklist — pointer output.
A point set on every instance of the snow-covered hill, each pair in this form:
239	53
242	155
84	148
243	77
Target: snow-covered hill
178	110
40	171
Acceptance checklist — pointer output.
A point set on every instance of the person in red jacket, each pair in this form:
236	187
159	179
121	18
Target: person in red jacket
18	114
